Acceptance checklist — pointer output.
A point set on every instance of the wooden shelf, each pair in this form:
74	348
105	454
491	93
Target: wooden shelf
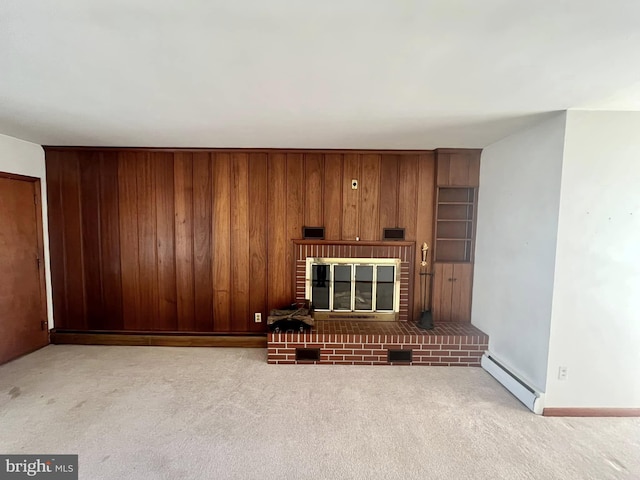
455	212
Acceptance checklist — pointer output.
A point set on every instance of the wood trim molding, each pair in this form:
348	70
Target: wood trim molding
591	412
15	176
42	265
157	340
366	243
459	150
50	148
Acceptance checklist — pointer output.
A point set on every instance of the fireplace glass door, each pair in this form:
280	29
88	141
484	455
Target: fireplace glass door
353	285
342	287
385	286
320	286
363	295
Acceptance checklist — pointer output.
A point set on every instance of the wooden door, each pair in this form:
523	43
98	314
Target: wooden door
452	292
23	326
461	292
442	288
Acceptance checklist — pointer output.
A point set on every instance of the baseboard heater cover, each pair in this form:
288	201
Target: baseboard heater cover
519	389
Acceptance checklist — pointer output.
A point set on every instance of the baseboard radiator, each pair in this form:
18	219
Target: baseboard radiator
518	388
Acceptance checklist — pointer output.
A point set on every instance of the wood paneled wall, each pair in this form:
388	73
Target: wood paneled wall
197	241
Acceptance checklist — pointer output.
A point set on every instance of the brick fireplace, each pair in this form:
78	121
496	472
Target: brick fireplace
351	341
403	251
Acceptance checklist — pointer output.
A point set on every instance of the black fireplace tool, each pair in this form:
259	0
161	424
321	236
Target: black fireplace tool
426	316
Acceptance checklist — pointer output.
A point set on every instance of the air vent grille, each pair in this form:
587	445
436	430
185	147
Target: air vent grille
312	354
399	355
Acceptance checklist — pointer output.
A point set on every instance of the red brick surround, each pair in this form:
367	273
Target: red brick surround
367	343
339	249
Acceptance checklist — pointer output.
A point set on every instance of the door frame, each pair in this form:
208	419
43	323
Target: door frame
37	187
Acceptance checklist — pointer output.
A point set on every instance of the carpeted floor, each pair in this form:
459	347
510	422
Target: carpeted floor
204	413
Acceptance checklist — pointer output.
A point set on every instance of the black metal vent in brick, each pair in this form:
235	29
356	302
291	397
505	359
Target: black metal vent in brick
308	354
393	234
399	355
316	233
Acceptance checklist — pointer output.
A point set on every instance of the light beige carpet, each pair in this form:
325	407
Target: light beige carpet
205	413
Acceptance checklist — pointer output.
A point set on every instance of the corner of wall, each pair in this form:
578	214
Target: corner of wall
516	245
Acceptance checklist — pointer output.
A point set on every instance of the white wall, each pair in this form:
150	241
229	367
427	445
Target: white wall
515	246
25	158
595	324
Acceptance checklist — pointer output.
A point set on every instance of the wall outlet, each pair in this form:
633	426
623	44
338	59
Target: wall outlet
562	373
257	317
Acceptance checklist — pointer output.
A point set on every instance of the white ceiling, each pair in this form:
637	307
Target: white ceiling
308	74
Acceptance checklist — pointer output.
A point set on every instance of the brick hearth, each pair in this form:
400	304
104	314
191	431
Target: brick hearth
367	343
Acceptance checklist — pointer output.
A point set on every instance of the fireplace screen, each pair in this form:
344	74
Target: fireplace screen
342	285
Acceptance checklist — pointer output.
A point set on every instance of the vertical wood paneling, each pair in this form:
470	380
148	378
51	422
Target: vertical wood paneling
110	239
277	239
332	205
183	192
147	249
91	241
459	169
443	169
129	247
167	318
424	226
314	180
72	231
350	197
370	198
200	241
389	192
240	241
222	242
203	285
258	227
474	170
295	210
408	196
56	238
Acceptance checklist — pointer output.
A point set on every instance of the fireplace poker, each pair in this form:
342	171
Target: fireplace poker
426	316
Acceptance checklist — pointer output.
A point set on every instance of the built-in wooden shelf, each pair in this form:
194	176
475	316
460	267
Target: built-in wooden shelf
455	209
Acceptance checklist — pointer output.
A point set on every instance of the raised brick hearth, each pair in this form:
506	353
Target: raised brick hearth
348	342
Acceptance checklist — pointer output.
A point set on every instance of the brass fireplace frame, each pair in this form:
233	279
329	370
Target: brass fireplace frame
368	315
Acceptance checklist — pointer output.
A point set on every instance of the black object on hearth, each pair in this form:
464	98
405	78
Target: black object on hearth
291	318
